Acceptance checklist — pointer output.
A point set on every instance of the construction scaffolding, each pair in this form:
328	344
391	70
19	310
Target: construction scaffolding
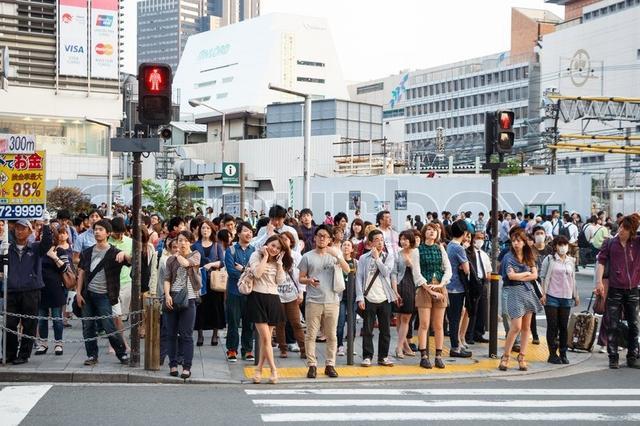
369	156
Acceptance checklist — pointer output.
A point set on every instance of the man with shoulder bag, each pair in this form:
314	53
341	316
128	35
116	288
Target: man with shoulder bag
98	290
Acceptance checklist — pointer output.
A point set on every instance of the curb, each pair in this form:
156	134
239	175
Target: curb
18	376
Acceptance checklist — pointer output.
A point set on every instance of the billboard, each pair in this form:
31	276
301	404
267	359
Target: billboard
72	48
104	39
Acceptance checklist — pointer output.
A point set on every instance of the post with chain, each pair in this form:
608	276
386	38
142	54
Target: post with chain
136	259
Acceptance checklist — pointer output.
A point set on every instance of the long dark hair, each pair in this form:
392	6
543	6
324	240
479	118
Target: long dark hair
211	226
528	256
287	260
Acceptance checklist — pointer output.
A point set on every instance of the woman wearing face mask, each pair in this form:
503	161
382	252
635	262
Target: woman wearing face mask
263	304
559	293
541	250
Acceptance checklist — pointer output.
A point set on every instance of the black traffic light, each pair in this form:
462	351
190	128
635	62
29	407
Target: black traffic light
489	133
504	135
154	94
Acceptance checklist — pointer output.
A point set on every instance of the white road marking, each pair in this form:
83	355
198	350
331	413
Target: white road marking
449	416
446	392
17	401
417	403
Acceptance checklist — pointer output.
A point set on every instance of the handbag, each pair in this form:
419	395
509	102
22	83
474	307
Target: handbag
246	281
69	278
218	280
180	300
338	280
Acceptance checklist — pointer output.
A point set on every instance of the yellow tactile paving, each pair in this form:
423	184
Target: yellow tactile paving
409	366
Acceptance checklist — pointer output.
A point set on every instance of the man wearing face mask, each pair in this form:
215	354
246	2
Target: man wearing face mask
480	270
542	250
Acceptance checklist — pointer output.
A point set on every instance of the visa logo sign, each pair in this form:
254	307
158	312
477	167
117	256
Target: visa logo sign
104	20
73	48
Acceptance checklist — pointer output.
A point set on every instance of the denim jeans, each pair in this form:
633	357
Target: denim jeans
180	333
342	321
97	305
43	325
237	312
454	314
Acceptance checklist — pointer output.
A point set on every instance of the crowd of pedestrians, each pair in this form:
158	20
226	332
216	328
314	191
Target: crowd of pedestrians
281	279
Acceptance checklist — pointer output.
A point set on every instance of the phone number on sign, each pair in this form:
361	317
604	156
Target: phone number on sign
31	211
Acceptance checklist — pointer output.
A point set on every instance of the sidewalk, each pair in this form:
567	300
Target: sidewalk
210	365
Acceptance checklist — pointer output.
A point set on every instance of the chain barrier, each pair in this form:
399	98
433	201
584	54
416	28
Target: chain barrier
38	339
49	318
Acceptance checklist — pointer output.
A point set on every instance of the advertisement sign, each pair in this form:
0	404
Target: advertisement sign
104	39
22	186
72	49
17	144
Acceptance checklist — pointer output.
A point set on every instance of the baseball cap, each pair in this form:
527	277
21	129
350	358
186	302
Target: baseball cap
24	222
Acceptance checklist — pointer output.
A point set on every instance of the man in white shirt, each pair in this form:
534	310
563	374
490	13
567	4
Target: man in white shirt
383	219
277	215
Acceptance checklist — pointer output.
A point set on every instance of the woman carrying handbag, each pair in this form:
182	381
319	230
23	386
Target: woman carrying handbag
210	312
181	286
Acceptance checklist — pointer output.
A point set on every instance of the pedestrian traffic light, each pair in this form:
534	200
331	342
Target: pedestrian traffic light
504	135
154	94
489	133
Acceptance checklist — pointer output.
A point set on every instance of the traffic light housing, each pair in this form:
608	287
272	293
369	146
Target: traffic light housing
504	135
154	94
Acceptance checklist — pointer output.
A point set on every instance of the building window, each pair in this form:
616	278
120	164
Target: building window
370	88
221	95
311	80
311	63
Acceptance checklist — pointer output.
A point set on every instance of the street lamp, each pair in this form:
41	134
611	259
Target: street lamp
196	103
306	200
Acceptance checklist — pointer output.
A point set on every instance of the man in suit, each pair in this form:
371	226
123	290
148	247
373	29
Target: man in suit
477	288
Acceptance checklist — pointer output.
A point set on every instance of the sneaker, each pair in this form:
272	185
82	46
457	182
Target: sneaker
124	359
385	362
232	356
613	363
439	363
248	356
293	347
554	359
91	361
340	350
366	362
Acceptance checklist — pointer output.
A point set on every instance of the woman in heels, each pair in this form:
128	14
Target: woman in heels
263	304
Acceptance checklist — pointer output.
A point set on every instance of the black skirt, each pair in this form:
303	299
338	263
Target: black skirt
265	308
210	312
407	290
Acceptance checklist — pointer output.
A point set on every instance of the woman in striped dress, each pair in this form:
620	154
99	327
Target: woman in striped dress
518	270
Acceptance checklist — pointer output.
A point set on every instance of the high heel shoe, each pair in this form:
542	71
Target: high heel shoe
257	376
504	363
522	364
273	380
200	341
399	354
185	374
214	340
173	373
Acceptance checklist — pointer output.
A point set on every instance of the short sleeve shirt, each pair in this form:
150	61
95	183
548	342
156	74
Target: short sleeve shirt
457	256
321	267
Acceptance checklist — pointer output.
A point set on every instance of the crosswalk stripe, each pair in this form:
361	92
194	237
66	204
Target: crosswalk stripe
17	401
445	392
417	403
437	416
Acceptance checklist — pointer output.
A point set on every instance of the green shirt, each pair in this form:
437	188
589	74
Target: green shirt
431	262
125	245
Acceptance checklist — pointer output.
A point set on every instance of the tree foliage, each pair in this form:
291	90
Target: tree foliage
172	199
69	198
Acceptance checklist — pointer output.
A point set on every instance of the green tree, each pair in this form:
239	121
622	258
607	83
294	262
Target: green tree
177	199
513	167
70	198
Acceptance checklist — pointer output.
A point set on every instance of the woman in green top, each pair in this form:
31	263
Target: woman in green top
431	297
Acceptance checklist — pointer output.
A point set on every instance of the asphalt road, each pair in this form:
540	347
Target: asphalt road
612	397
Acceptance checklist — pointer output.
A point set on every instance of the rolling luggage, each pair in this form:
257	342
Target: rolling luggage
582	330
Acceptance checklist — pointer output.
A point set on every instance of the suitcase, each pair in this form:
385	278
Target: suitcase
582	330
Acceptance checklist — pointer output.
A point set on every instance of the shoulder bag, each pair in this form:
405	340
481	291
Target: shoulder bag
338	279
218	280
246	281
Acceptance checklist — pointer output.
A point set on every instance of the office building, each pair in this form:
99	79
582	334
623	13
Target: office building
595	53
63	83
164	26
440	111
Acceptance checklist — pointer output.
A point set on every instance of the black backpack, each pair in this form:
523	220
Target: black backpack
582	238
563	230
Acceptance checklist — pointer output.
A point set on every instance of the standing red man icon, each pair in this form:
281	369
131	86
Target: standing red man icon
155	78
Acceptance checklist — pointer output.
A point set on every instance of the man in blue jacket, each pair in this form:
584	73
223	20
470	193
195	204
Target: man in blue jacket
236	260
23	286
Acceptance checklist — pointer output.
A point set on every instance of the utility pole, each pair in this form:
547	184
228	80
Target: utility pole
136	263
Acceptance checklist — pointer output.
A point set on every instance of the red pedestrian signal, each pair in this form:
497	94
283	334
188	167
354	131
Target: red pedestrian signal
154	94
504	136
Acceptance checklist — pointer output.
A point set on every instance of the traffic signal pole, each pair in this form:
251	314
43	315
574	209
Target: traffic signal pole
134	359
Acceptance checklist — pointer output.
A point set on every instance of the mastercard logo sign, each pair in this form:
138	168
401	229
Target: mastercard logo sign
67	18
104	49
